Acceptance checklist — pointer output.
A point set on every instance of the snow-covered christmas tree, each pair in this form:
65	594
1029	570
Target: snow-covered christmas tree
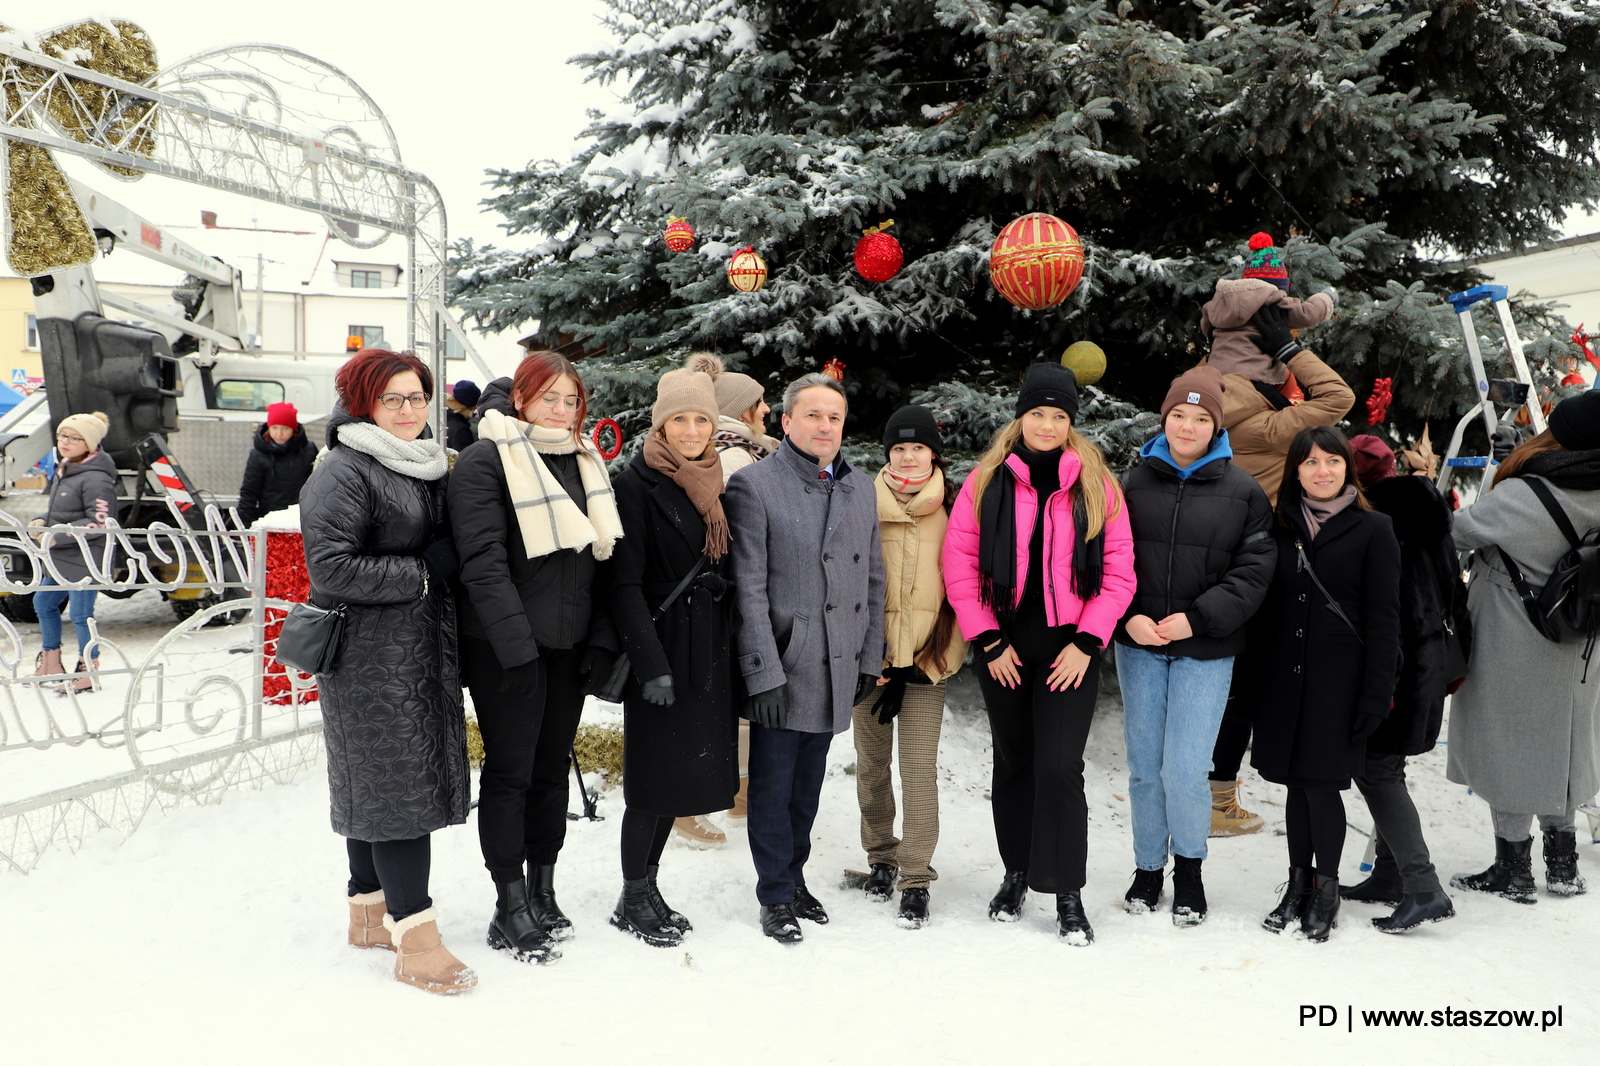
1381	142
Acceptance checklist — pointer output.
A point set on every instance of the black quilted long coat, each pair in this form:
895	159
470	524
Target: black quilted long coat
391	708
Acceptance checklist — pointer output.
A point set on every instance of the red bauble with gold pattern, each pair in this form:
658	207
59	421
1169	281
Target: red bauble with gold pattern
679	236
747	271
1036	261
878	256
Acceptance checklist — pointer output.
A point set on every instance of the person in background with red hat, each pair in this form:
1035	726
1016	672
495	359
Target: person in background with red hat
278	465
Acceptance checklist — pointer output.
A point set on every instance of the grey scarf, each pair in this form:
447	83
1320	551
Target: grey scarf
422	459
1317	512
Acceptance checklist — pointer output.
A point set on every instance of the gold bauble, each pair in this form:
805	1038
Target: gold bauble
1086	360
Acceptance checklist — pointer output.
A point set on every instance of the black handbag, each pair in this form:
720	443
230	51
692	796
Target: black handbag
311	638
610	690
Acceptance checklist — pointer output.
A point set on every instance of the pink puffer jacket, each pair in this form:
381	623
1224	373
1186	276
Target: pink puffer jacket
1099	616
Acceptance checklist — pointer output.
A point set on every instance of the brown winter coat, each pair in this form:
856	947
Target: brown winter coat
1260	432
913	538
1225	320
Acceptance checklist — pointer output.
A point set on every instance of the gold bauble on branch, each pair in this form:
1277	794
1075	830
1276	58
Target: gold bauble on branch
1086	360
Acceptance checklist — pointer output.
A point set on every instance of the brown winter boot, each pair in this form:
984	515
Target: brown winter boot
366	921
48	662
739	813
421	959
698	832
1228	819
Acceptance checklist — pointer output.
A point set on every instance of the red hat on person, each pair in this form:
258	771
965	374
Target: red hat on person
1374	460
283	414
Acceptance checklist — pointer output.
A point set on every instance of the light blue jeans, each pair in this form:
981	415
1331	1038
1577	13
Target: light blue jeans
80	606
1172	707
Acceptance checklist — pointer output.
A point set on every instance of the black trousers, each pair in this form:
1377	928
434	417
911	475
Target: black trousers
1314	819
1233	737
527	743
1397	828
786	772
399	867
644	838
1041	818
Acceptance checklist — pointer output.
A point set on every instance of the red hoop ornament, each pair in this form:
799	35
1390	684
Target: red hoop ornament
747	271
679	236
878	256
1036	261
615	450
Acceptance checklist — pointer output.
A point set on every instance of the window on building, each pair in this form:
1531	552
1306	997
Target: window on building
33	333
248	395
371	336
453	348
366	279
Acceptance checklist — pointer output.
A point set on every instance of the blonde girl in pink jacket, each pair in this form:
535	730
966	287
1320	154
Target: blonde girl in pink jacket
1038	591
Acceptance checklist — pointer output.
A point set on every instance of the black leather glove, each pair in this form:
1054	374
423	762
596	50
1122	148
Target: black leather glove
864	684
597	662
770	708
1365	725
521	679
1503	441
441	560
658	690
1273	335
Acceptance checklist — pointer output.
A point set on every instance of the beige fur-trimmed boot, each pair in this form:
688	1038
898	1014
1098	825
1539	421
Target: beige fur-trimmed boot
366	921
421	959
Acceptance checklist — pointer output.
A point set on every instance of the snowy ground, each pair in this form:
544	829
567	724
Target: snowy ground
217	935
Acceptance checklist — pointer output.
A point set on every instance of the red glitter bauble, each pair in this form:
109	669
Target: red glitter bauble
878	256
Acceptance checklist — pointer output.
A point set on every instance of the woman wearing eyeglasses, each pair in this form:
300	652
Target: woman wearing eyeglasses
377	543
83	492
532	508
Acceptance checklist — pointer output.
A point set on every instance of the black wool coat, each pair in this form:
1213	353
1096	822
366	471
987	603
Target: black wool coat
392	717
517	604
1433	613
273	477
1201	546
1316	673
683	759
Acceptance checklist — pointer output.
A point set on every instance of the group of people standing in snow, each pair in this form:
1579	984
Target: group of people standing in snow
1256	571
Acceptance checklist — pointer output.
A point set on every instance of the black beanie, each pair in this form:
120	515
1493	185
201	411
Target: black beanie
1049	385
912	425
1575	422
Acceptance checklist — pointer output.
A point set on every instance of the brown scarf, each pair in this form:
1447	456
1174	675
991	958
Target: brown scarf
1317	512
701	479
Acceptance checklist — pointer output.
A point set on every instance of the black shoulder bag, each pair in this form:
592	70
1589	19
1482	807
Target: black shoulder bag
1333	604
610	690
311	638
1568	607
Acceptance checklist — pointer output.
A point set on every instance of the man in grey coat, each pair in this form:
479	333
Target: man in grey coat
808	567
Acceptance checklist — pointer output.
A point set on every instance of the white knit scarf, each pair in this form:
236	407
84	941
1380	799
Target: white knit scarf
422	459
546	515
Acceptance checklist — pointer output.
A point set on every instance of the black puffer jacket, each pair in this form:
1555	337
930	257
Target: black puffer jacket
496	396
1432	598
81	494
273	476
517	604
391	709
1202	546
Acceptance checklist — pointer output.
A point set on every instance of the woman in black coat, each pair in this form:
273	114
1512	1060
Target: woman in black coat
1434	626
278	464
1330	664
680	753
376	541
532	510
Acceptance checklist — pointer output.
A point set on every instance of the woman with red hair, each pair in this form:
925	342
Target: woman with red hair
377	547
532	509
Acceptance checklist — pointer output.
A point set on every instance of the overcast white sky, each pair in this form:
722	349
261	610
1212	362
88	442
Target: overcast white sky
467	86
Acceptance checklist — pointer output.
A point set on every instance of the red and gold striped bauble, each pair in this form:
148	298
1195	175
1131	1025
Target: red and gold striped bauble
1036	261
680	235
747	271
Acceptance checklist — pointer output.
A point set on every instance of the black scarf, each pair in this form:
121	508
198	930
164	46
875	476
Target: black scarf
1565	469
997	541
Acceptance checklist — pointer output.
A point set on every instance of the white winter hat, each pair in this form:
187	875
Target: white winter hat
91	427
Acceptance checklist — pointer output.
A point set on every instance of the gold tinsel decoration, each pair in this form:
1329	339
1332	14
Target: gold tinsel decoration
474	743
599	751
45	229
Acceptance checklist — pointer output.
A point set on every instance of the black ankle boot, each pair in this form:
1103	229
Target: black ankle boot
880	882
1374	889
1292	907
913	909
1072	925
808	906
670	916
542	903
1414	909
1511	876
513	929
1007	903
1561	875
778	922
1322	909
637	915
1145	892
1188	892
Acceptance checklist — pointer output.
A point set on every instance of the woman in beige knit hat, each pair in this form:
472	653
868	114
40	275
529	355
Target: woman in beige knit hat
679	730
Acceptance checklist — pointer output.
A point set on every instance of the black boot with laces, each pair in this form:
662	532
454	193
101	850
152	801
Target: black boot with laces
1144	893
1072	924
1292	907
880	882
1188	892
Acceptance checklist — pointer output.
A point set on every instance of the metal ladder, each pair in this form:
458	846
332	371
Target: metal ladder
1511	395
